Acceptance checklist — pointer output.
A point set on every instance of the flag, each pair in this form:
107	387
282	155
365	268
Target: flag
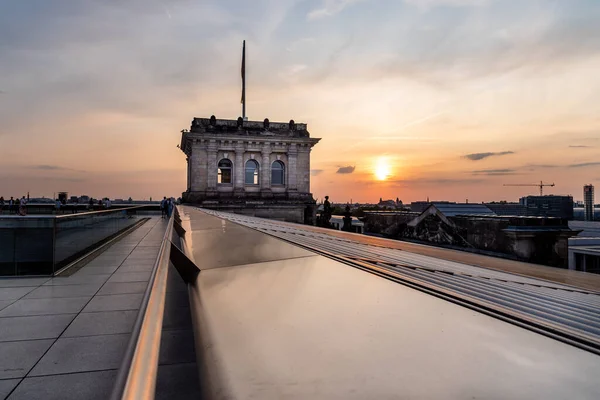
244	73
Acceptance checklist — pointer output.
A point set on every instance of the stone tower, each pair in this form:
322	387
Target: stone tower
250	167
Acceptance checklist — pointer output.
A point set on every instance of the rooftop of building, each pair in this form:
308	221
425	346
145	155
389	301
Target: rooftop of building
240	126
454	209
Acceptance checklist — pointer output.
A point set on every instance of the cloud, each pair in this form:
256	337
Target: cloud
481	156
329	8
435	181
534	166
46	167
581	165
495	172
579	146
427	4
315	172
345	170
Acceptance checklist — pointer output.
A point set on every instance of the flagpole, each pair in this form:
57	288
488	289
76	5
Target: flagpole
244	80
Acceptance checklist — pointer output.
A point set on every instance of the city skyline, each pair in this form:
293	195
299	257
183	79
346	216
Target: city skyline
446	99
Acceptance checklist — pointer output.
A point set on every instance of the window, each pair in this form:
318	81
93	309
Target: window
251	172
277	173
224	172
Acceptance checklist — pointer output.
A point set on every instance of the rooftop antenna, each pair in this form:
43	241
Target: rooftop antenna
244	81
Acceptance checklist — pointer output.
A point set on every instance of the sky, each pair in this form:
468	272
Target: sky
415	99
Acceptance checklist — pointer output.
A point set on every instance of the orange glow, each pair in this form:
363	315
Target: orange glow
382	169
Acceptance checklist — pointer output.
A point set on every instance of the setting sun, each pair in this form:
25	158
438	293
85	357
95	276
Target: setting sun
382	169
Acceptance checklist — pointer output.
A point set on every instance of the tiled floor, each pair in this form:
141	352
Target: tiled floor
64	337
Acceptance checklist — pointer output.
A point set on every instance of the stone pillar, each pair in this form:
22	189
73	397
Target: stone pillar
292	171
189	174
211	179
239	167
265	171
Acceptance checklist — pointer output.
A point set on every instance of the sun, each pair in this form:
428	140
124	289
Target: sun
382	169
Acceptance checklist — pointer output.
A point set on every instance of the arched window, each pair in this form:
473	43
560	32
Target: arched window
251	172
277	173
224	172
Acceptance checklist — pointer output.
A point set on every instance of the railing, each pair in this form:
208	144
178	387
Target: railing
42	245
139	368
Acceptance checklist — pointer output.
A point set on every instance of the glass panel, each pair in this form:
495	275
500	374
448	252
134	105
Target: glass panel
224	172
224	175
40	245
77	234
251	177
277	173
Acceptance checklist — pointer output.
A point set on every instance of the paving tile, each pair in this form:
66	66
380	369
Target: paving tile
146	252
123	288
78	280
90	270
130	277
47	292
135	268
24	307
179	381
107	256
119	251
103	263
102	323
17	358
81	354
85	385
6	386
177	346
5	303
35	327
14	293
107	261
114	302
22	282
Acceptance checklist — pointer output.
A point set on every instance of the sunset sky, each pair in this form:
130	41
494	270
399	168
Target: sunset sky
446	99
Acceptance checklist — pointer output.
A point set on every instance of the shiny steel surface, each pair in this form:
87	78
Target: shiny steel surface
138	372
218	243
558	308
312	327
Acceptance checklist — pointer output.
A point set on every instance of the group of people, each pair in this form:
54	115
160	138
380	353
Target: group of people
18	206
166	207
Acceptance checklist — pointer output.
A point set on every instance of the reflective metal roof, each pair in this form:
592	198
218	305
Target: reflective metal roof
451	210
559	309
313	327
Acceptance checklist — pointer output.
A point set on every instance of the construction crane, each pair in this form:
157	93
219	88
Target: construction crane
540	185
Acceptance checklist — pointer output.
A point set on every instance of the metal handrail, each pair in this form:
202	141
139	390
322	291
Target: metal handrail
66	216
139	368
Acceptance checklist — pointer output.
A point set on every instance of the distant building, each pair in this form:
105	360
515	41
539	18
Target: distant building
387	203
454	209
588	200
257	168
512	209
584	254
337	221
548	206
420	206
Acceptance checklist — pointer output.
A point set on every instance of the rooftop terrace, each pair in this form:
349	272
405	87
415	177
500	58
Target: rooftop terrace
255	308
